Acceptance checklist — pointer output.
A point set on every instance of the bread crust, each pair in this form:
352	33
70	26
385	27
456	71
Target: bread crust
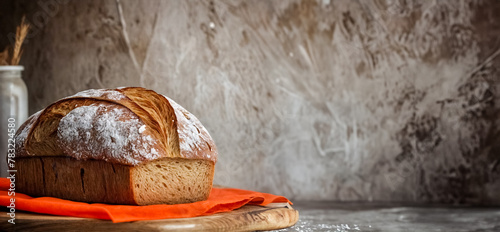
171	131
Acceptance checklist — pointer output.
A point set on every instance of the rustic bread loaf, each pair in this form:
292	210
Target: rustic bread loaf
120	146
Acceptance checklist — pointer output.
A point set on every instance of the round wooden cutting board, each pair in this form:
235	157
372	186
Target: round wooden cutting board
248	218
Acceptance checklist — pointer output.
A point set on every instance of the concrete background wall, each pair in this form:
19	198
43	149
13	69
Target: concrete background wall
381	100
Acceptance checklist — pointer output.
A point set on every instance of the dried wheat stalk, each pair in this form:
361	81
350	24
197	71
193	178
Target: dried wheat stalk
21	32
14	56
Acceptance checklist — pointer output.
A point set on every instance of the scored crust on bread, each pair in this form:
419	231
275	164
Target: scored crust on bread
124	146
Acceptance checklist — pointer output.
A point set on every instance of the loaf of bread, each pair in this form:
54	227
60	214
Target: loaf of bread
120	146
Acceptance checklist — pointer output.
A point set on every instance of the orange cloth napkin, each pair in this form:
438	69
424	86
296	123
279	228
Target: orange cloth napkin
220	200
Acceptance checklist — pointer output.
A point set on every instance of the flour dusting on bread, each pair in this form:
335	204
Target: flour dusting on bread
107	132
193	137
100	93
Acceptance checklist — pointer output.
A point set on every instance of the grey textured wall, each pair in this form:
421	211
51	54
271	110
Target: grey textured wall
316	100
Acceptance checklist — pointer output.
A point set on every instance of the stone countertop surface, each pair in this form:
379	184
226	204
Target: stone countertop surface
332	216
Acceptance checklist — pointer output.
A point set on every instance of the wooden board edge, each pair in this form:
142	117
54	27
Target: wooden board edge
247	218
